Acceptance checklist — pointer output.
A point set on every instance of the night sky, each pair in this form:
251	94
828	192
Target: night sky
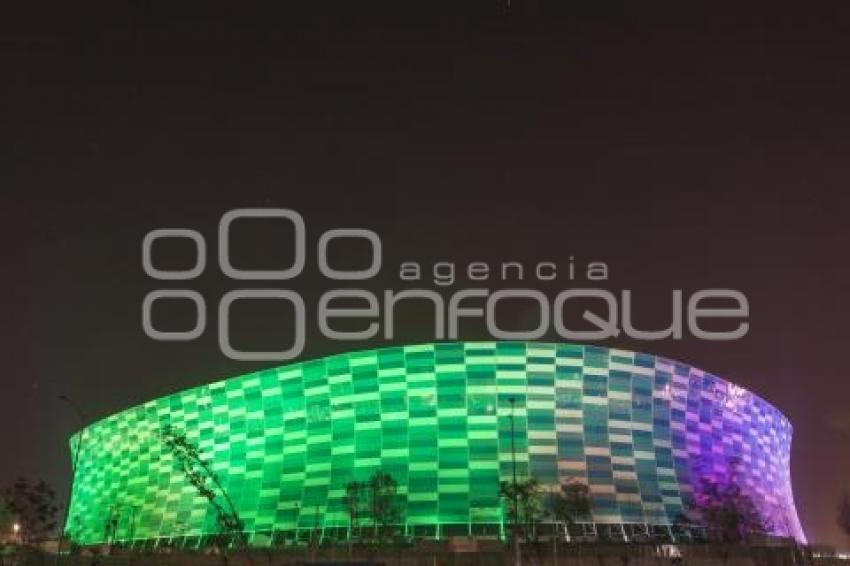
686	146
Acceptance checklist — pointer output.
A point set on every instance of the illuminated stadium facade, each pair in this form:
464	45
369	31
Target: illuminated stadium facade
639	430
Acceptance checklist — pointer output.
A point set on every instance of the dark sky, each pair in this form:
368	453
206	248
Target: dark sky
686	146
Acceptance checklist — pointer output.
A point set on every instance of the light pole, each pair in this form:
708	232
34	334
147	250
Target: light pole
82	419
517	554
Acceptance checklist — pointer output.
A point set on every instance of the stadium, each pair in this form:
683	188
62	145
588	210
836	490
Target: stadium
639	430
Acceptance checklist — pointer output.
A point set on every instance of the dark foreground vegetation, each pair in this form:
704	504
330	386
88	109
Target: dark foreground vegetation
465	552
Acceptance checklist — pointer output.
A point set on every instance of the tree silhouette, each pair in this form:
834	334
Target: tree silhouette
377	497
844	514
6	519
201	476
528	496
353	504
383	502
727	512
34	508
571	503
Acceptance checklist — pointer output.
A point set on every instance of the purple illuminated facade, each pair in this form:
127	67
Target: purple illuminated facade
724	433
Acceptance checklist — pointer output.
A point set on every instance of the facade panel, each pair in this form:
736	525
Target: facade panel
639	430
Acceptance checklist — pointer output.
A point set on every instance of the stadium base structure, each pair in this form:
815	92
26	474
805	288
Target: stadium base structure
642	432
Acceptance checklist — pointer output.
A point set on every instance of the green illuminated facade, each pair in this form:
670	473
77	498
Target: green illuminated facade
285	442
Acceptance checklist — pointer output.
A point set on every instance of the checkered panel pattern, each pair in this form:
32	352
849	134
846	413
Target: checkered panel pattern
639	430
